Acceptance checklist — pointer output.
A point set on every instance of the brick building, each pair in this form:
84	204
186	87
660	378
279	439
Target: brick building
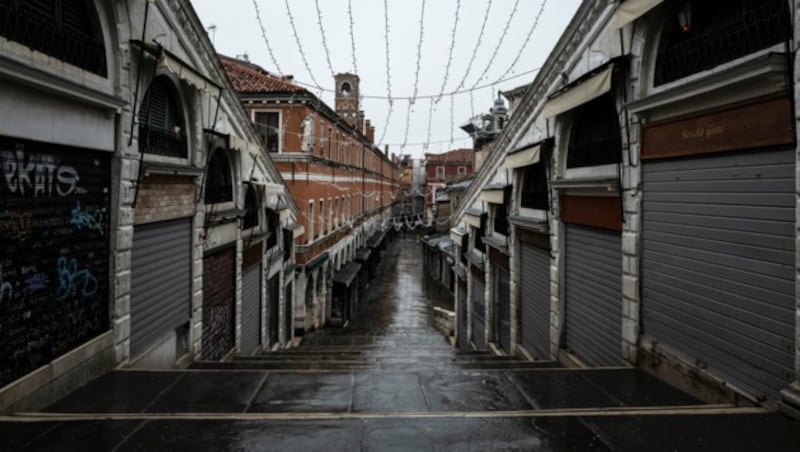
442	168
343	185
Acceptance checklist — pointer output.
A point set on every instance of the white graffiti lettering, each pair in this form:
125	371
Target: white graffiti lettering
39	174
6	290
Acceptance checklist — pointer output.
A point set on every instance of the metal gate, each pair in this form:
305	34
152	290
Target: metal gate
463	321
594	295
478	310
251	310
718	264
534	297
161	264
503	315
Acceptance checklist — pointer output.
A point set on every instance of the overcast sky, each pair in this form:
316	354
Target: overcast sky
238	32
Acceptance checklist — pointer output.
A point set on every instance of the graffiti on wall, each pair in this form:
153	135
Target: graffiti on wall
54	204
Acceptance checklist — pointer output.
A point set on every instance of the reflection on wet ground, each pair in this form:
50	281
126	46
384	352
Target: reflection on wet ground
390	381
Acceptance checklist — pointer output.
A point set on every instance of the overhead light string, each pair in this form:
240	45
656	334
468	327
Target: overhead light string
527	40
300	47
499	44
450	53
266	41
477	45
324	38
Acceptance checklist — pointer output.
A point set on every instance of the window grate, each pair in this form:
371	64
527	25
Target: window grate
160	121
66	30
720	32
218	179
596	138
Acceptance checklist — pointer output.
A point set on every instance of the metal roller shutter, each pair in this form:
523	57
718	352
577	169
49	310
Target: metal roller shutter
161	263
718	264
463	321
503	293
594	295
251	310
535	300
274	310
478	313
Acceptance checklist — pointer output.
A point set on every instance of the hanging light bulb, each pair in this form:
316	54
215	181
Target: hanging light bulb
685	17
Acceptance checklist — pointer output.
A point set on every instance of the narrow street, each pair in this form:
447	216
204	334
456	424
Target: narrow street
390	381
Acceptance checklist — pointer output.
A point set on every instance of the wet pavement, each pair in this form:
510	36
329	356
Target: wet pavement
390	381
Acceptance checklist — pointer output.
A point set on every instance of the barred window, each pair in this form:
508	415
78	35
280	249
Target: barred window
161	129
218	179
596	138
68	30
698	36
534	187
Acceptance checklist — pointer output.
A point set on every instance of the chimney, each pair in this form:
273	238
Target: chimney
360	122
370	132
386	150
288	77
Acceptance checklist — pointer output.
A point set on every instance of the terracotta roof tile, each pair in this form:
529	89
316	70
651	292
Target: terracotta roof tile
249	78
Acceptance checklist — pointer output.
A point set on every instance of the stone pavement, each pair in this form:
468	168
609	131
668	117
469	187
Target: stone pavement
390	381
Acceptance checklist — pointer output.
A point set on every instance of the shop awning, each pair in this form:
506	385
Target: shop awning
457	234
494	194
376	239
245	146
630	10
580	92
184	71
363	254
347	275
524	157
298	231
317	262
473	217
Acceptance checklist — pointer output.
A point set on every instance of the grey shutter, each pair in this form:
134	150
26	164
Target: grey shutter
463	321
718	264
594	295
161	264
251	310
503	293
478	313
535	300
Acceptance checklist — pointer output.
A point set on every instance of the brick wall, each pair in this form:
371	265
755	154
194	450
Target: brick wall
163	198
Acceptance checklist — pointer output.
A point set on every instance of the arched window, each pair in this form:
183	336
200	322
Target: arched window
699	35
68	30
161	125
218	179
595	138
346	89
250	219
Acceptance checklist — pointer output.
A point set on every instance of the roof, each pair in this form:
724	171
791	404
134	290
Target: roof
249	78
456	155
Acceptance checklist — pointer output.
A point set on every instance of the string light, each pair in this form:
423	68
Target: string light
450	54
408	121
527	40
266	41
353	35
421	143
386	39
430	114
419	52
300	46
324	38
499	44
477	45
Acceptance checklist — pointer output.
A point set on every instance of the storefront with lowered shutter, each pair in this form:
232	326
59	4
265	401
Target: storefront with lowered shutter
718	241
534	293
251	300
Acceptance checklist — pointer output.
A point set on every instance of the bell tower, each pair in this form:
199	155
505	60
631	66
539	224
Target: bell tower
347	97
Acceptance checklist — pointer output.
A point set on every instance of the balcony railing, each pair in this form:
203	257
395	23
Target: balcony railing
162	142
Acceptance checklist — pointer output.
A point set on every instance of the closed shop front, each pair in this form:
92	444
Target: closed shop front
593	279
463	320
219	303
478	309
288	306
160	281
251	301
718	247
534	294
273	312
55	254
501	299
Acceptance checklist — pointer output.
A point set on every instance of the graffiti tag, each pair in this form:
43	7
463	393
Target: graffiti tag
6	290
83	219
35	283
73	282
17	225
37	174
